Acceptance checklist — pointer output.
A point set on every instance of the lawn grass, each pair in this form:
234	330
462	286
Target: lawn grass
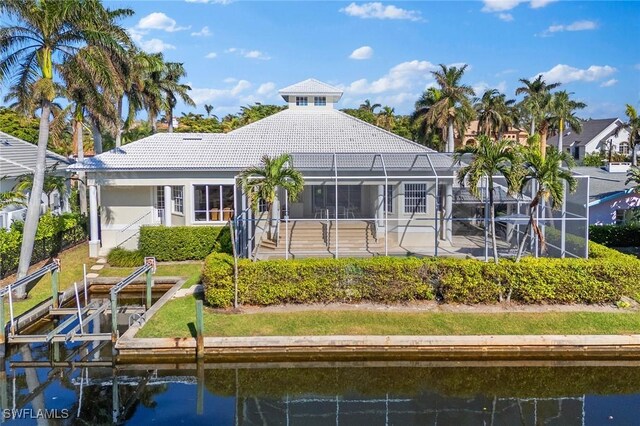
71	261
173	321
191	271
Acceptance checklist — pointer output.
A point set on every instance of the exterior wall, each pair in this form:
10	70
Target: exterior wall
605	213
331	101
597	145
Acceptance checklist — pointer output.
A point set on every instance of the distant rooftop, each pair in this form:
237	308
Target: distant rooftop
603	184
590	129
311	86
18	157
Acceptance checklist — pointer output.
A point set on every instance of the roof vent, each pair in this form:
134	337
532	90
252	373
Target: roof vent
196	138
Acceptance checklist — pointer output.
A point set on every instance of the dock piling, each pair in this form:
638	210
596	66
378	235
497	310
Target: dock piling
149	282
55	278
199	330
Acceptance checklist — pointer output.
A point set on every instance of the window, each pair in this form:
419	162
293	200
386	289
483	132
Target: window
623	148
390	198
213	203
262	205
301	101
177	194
320	100
415	197
159	205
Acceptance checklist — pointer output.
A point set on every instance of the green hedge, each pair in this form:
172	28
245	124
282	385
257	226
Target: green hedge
616	235
183	242
604	279
120	257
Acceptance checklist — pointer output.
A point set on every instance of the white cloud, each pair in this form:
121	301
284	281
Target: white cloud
537	4
377	10
609	83
481	86
364	52
506	17
403	77
574	26
153	45
205	95
204	32
499	5
250	54
566	74
211	55
159	21
266	88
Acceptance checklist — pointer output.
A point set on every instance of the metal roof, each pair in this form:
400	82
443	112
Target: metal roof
18	157
296	130
311	86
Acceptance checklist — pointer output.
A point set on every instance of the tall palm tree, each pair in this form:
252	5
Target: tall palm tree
430	122
534	100
550	178
563	112
488	159
262	183
386	118
172	88
454	106
494	113
368	106
633	176
208	108
633	125
46	34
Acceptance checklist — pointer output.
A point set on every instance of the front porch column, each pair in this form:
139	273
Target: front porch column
448	212
167	205
66	205
380	206
94	241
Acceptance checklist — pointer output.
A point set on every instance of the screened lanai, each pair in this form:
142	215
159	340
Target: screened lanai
399	204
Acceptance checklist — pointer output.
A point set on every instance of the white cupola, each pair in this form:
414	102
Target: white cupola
311	93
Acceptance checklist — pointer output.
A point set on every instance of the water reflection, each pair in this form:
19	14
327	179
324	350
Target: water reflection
92	392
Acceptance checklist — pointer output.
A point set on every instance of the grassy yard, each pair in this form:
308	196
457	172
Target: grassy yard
70	272
174	318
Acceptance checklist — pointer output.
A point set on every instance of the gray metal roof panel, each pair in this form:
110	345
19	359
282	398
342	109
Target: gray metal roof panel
18	157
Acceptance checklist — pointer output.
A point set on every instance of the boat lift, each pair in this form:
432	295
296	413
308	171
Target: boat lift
71	328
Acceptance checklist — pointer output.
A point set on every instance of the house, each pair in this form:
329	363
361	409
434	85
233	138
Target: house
471	135
17	158
610	200
598	136
367	191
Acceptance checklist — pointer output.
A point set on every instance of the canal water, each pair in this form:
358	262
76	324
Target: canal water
83	388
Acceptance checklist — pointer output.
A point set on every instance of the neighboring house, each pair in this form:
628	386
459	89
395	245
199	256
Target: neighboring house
17	158
610	200
597	136
367	191
471	135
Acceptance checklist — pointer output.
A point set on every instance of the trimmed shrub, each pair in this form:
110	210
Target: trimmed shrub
125	258
604	279
177	243
616	235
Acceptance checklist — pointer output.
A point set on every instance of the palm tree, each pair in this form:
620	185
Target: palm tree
367	106
534	91
172	89
208	108
12	198
494	113
633	176
550	178
488	159
52	183
633	125
431	124
454	106
386	118
46	33
563	112
262	182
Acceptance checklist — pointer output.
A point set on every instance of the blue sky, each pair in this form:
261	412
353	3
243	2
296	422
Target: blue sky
239	52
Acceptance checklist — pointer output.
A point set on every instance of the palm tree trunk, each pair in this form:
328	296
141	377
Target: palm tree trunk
561	129
634	157
35	198
492	212
97	137
524	237
119	129
533	126
450	142
82	187
170	118
543	143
